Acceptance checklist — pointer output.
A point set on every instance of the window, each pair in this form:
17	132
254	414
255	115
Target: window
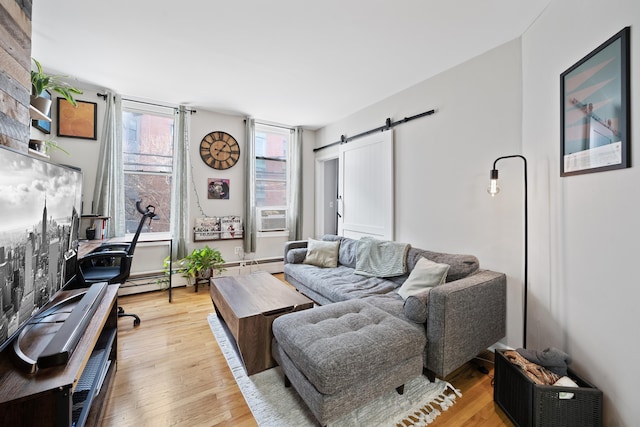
271	145
147	148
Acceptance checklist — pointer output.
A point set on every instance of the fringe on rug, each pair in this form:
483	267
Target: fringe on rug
428	412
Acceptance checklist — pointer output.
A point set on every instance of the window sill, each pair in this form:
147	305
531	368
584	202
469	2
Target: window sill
284	233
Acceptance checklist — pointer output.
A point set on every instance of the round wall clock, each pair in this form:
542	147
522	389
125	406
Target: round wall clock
219	150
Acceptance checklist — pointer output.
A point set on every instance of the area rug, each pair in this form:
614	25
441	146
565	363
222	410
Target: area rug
274	405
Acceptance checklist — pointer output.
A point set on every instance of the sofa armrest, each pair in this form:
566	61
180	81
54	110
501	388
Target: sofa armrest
293	244
465	317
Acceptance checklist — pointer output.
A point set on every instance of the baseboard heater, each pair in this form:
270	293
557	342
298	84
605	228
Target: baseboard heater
247	262
154	277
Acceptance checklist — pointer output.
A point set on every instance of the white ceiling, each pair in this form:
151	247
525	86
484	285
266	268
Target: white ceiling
294	62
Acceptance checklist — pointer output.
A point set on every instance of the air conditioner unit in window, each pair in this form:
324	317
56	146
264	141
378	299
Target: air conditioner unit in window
271	219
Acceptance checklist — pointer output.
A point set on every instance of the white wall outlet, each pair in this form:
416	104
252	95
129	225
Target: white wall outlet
238	250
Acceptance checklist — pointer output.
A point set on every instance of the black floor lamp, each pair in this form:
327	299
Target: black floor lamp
493	190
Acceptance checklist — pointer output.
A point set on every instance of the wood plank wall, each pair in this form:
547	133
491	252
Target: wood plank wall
15	73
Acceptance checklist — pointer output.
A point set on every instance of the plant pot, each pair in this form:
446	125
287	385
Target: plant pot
37	145
41	104
91	233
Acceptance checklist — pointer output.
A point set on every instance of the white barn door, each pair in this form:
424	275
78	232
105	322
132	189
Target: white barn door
366	188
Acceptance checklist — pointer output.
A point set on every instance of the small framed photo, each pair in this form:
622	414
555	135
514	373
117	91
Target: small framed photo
594	109
218	188
77	122
43	125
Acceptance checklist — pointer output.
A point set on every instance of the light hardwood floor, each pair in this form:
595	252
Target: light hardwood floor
171	372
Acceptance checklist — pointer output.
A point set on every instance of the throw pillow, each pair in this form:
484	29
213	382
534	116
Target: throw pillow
296	256
322	254
425	274
416	306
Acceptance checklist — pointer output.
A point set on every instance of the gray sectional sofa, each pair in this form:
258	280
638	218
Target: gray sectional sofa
459	318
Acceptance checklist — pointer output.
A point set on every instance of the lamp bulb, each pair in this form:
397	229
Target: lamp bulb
493	188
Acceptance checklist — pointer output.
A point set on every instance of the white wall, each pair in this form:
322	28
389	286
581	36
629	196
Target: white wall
202	123
84	154
443	163
585	229
268	245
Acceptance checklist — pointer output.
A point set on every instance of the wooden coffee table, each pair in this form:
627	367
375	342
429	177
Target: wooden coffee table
249	305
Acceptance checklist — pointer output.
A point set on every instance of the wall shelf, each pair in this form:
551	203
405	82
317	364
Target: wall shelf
36	153
37	114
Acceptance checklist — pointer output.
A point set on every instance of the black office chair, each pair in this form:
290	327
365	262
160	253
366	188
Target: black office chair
111	262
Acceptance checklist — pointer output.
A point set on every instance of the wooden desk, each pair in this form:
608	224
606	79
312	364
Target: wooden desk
86	246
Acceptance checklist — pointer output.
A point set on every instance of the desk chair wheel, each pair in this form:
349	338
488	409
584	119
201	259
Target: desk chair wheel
136	319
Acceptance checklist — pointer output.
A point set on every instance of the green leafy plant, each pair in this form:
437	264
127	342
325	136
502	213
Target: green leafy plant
51	145
202	262
199	263
41	81
46	146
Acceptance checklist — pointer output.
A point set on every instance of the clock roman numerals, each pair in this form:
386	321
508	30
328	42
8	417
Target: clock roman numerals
219	150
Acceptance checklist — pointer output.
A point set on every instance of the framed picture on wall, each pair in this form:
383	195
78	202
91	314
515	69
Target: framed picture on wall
594	110
43	125
77	122
218	188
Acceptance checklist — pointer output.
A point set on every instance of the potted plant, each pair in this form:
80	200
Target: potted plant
199	264
40	81
46	146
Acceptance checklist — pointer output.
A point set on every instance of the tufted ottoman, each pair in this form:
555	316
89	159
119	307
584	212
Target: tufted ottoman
340	356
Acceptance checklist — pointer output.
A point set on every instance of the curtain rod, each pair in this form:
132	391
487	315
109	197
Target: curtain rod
388	125
104	95
273	125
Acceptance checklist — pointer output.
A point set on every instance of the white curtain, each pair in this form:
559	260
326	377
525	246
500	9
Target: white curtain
294	161
179	200
249	238
108	193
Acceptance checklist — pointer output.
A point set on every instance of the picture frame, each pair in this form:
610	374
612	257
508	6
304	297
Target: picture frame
77	122
43	125
218	188
595	117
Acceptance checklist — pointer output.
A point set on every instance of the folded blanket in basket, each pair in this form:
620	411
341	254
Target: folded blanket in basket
535	372
381	258
553	359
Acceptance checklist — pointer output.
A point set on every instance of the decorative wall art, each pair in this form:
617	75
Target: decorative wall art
77	122
206	229
43	125
594	109
218	188
217	228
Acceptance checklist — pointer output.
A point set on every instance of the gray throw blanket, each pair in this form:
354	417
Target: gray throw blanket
381	258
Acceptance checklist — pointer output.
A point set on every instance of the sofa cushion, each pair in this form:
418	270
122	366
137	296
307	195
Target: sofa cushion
338	284
322	254
461	266
348	249
425	274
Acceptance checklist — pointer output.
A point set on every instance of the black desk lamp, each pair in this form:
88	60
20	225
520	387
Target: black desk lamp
493	190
